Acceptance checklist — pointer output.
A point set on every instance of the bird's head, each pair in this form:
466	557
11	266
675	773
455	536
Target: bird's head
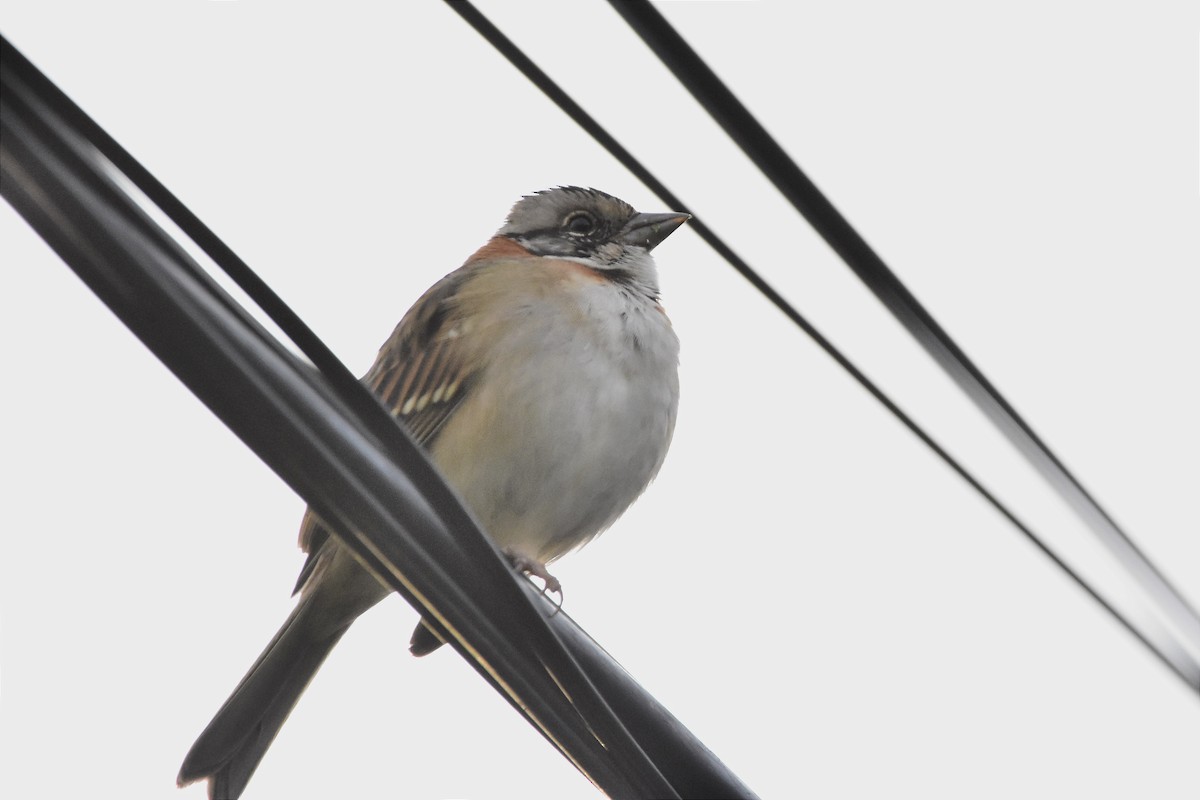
590	227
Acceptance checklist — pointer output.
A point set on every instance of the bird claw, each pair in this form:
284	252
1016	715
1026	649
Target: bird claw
556	589
529	566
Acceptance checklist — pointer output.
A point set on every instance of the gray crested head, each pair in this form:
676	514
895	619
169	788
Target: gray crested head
592	228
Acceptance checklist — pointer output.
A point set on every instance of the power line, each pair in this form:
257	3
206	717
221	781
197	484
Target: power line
1178	660
723	106
372	484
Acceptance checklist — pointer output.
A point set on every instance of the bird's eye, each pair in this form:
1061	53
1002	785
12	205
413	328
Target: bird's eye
580	223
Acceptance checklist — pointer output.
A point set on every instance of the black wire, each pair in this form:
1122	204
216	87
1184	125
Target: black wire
588	732
1189	672
741	126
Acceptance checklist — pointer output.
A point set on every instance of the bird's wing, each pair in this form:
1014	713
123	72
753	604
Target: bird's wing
422	371
422	374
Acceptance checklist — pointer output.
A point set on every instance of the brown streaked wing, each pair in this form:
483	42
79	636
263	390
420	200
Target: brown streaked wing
421	371
420	375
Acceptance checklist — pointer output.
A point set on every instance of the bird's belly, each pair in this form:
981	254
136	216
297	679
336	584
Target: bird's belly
546	465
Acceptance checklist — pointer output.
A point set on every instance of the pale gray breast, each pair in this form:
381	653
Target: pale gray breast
570	421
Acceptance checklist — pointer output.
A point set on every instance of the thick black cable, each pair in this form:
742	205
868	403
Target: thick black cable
48	147
99	235
723	106
1186	668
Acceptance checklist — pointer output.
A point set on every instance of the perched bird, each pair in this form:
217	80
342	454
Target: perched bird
542	378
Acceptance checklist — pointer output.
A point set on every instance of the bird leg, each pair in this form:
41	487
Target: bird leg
531	566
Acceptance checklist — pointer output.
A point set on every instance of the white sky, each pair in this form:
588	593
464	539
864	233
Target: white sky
811	591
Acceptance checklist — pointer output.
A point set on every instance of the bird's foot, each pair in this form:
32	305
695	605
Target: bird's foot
530	566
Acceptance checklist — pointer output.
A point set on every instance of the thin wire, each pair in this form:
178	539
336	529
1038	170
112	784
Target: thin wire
1189	671
773	161
590	734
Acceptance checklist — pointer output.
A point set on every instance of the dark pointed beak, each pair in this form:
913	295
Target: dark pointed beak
647	230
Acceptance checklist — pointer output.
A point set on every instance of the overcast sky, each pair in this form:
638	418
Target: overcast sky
824	603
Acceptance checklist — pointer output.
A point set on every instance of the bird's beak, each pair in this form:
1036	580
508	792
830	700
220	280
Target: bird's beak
647	230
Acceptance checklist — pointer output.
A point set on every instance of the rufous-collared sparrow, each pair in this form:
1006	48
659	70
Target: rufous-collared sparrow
541	376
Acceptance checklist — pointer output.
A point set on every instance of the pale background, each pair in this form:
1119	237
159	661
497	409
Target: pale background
807	587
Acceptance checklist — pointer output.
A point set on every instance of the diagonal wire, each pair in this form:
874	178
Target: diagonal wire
528	664
719	101
1179	662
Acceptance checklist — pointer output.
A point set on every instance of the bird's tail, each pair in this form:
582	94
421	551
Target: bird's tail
230	748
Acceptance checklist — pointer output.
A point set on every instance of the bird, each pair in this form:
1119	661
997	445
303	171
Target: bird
541	377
